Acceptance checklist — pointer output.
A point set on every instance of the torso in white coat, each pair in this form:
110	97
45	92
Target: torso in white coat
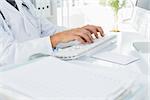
23	24
23	33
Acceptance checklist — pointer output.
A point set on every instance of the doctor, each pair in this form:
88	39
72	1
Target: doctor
23	33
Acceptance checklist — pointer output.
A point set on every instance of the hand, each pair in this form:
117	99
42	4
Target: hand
95	30
83	35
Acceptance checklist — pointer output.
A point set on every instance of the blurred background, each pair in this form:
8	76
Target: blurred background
76	13
73	13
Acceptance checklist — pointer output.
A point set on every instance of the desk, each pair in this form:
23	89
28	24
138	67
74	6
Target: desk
125	40
124	46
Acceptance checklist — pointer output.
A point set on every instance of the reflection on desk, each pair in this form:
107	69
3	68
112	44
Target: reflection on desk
51	78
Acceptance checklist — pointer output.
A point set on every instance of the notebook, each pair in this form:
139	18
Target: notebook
53	79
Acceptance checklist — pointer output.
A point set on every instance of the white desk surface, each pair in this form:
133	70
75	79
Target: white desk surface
124	47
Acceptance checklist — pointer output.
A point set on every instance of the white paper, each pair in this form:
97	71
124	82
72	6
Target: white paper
115	58
52	79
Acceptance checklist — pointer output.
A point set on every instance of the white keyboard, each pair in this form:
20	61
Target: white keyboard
77	51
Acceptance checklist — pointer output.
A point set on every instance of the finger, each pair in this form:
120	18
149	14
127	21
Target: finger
78	38
99	29
84	34
85	37
89	34
92	29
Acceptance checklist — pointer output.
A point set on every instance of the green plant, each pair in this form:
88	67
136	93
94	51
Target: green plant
117	4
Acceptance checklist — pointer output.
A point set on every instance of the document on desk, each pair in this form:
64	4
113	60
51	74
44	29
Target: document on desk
115	58
53	79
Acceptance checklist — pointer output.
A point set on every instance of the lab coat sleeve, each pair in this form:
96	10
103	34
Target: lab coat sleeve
13	52
48	28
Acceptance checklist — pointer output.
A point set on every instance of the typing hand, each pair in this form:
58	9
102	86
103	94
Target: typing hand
83	35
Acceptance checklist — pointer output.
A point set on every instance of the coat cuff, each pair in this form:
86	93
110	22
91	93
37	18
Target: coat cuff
48	45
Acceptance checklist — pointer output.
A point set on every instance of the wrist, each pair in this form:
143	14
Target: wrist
54	40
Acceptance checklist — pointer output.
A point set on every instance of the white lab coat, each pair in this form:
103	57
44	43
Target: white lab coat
23	33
